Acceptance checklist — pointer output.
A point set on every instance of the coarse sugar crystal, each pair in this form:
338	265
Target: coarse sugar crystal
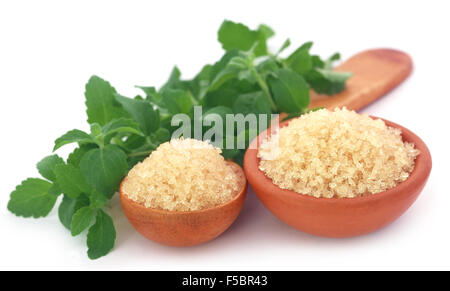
182	175
337	153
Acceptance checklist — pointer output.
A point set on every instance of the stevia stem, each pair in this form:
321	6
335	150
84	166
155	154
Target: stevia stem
264	87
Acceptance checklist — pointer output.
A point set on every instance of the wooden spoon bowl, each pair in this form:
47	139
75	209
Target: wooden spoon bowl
175	228
339	217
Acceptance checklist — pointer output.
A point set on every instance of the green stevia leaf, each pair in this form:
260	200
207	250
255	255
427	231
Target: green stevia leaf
81	220
255	103
307	45
78	153
46	166
226	74
134	160
300	60
292	115
290	91
237	67
148	90
222	63
204	73
69	206
297	114
335	57
335	76
151	94
101	236
246	75
72	136
160	136
329	62
327	82
133	142
238	36
284	46
221	111
229	153
317	62
239	158
142	112
96	129
304	47
71	181
228	92
32	198
199	85
101	104
97	199
174	78
121	125
104	168
146	147
223	97
177	101
268	66
241	61
314	109
267	31
55	190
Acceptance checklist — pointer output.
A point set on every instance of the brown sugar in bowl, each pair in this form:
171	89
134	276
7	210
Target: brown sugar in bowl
177	228
339	217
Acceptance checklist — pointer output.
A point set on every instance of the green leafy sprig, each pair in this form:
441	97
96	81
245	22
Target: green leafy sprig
123	131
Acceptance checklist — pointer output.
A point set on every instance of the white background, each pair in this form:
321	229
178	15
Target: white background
49	49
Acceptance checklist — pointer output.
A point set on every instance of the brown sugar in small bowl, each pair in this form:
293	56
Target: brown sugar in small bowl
176	228
339	217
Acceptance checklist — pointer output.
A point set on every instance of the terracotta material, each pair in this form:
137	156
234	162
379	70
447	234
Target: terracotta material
375	73
184	228
339	217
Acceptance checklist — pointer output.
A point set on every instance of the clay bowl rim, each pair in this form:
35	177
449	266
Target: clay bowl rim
422	169
242	191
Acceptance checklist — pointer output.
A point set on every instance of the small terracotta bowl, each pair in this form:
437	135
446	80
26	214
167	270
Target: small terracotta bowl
339	217
175	228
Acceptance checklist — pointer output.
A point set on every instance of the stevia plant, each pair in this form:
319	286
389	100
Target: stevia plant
123	131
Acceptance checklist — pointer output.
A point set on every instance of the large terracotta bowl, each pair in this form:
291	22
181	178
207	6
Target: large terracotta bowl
339	217
190	228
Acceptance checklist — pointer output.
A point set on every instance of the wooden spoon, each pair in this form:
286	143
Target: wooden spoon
339	217
375	73
177	228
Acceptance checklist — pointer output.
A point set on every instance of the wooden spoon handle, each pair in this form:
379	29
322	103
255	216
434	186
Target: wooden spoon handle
375	73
